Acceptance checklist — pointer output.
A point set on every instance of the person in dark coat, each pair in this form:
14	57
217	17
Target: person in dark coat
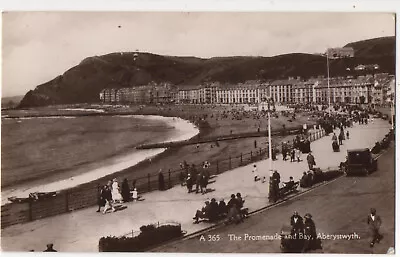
310	230
49	248
101	201
181	178
233	209
374	221
284	151
341	137
292	155
274	186
161	182
214	210
189	183
240	200
296	221
125	191
310	161
222	208
107	196
198	183
304	181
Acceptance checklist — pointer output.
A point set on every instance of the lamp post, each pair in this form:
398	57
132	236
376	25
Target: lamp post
329	95
269	135
392	112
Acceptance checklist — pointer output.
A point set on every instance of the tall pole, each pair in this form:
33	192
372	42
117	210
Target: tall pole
329	91
269	140
392	112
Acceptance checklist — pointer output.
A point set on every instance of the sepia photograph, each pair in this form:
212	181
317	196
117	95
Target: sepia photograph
198	132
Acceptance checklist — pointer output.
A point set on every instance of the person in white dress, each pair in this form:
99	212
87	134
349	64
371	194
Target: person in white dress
116	195
134	195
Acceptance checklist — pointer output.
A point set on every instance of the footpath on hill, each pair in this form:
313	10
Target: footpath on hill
80	231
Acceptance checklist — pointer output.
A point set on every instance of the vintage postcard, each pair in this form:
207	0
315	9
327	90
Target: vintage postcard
200	132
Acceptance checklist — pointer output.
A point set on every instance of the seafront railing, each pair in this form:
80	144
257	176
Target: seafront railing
87	195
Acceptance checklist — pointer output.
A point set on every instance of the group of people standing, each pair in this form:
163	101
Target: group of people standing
192	177
307	227
111	194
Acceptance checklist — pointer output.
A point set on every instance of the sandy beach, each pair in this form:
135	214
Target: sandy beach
183	130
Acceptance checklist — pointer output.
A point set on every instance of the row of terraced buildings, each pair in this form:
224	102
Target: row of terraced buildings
362	89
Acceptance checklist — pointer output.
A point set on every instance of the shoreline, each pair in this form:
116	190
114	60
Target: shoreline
168	158
183	130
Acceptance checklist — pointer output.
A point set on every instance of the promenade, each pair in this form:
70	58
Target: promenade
79	231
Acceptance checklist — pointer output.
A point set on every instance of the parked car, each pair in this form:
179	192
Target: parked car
360	162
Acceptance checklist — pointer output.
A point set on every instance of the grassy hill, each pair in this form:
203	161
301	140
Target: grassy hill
82	83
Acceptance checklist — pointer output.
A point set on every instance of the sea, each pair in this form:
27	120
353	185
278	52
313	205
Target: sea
52	153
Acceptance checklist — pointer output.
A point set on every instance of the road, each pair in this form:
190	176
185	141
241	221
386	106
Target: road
340	207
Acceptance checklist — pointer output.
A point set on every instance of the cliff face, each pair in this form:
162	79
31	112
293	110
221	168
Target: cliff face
82	83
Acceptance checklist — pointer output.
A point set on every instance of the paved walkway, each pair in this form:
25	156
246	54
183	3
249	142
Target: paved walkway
80	231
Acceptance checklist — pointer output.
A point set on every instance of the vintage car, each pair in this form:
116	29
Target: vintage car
360	162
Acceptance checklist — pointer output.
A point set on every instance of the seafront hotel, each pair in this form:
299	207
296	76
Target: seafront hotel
374	89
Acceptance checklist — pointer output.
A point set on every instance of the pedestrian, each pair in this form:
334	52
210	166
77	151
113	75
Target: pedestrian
310	161
341	138
296	221
134	183
182	178
255	173
203	183
161	183
189	183
125	191
101	200
135	194
334	137
116	195
293	155
310	230
108	198
198	183
298	154
284	151
348	134
374	221
49	248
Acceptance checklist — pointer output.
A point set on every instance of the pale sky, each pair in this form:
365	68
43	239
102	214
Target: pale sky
38	46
